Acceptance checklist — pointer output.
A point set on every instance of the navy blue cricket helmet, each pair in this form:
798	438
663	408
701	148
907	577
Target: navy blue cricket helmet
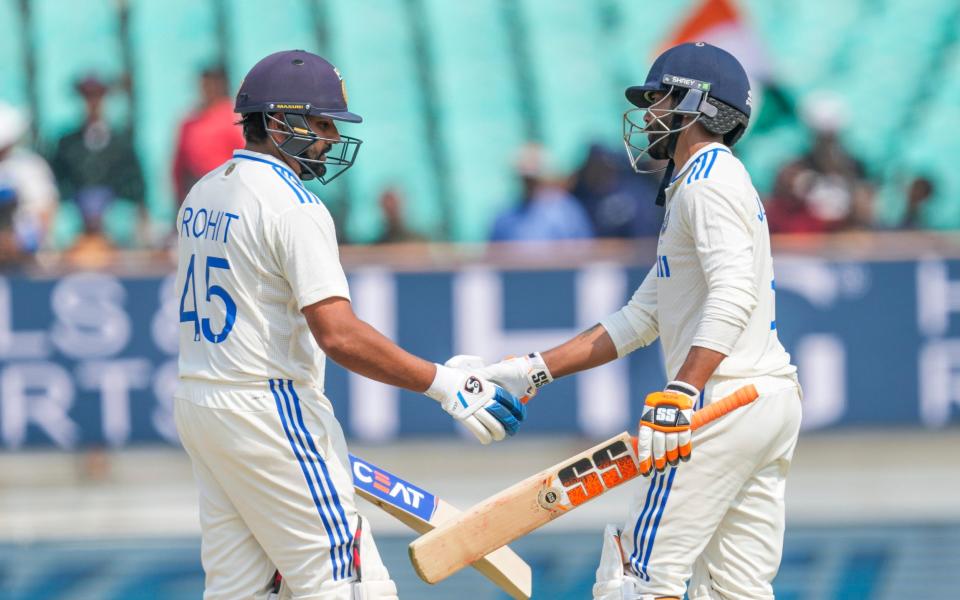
696	80
286	87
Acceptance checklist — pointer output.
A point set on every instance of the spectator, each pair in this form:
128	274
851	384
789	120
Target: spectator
787	209
28	192
92	249
395	226
546	211
11	253
620	202
208	136
837	193
98	158
919	192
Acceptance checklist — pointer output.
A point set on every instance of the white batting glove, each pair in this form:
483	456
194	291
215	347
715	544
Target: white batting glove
664	436
487	410
522	376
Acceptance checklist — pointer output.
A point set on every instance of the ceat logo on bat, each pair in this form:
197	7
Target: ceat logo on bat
393	490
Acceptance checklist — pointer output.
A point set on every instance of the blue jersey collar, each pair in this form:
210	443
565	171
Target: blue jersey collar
263	158
693	159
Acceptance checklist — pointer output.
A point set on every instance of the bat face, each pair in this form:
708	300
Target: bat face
590	474
387	488
422	511
537	500
524	507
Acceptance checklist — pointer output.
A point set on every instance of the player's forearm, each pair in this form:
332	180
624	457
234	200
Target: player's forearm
699	366
635	325
590	349
358	347
369	353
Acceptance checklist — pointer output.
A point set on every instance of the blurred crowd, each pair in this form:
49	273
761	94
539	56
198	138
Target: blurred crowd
93	174
84	195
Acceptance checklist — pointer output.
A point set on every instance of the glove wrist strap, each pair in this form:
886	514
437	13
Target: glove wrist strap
539	375
683	387
444	382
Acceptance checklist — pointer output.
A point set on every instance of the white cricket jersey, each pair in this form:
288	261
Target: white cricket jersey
255	247
712	284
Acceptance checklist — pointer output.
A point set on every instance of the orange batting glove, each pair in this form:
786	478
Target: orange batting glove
664	437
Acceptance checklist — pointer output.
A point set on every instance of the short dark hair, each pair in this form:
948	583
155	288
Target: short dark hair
254	130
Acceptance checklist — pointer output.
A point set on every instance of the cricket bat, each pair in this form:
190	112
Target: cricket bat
423	512
537	500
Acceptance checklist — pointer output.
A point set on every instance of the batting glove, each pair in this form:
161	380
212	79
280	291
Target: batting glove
664	437
488	411
522	376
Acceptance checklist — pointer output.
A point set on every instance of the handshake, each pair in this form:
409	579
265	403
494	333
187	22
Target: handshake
489	399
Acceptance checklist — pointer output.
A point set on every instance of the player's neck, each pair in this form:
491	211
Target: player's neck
271	150
691	141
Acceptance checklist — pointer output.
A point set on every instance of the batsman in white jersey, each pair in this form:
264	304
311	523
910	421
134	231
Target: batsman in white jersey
713	527
263	300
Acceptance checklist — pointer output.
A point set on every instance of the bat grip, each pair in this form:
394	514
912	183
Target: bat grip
715	410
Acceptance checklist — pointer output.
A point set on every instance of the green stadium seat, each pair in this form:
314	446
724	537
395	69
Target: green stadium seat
930	143
371	43
13	81
581	55
580	100
71	39
805	38
641	29
479	109
166	85
256	29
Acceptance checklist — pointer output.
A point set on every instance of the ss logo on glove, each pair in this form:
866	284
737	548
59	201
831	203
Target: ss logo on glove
666	416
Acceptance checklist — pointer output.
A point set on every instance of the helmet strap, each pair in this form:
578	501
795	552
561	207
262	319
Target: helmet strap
668	172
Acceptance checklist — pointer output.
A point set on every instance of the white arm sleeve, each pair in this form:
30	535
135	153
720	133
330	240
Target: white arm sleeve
721	224
635	325
305	243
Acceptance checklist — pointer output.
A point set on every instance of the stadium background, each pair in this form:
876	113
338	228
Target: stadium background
97	502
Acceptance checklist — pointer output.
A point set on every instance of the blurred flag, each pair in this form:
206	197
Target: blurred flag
721	23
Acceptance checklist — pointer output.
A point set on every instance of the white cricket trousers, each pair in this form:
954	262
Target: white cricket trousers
275	489
718	520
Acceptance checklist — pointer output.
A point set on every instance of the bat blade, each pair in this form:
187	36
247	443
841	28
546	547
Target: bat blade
541	498
423	512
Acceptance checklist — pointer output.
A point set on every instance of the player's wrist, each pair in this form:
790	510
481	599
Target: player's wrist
445	381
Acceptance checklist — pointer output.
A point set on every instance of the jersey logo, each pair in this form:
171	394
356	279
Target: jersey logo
762	213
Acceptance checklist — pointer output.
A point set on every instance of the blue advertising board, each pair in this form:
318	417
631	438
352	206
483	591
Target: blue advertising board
90	358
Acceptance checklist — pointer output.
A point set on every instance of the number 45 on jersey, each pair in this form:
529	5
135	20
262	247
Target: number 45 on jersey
202	324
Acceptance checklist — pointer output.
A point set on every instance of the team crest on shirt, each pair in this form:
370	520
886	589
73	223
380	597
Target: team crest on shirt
666	220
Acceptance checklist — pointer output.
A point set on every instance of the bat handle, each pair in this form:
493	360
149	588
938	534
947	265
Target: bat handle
715	410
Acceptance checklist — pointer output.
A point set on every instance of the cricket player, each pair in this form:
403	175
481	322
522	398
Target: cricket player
711	528
263	300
